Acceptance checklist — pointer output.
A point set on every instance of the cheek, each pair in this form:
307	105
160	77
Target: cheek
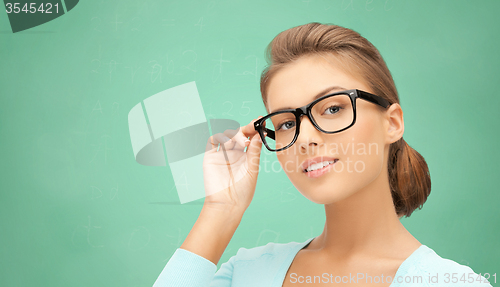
367	139
367	148
289	164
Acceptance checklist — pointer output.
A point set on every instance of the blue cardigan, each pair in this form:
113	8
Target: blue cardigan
267	266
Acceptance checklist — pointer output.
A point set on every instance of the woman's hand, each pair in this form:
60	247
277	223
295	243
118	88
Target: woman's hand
230	174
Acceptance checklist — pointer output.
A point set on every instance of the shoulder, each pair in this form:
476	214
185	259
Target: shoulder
271	249
433	270
259	265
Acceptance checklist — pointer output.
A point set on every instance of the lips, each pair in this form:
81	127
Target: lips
318	159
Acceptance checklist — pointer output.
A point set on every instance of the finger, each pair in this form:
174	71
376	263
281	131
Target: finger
225	140
211	145
241	141
238	137
253	154
231	133
249	129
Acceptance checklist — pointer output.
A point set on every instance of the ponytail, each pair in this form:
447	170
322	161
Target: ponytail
409	178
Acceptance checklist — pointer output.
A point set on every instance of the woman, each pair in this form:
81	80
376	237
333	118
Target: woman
342	148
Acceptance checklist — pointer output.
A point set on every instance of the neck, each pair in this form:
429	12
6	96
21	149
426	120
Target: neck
365	222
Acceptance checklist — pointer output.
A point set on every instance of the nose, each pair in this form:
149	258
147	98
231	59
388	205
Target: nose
309	136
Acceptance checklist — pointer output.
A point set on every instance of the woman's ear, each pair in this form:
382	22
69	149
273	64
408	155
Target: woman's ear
395	125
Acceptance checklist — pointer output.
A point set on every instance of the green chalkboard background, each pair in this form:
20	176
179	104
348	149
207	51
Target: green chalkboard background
77	210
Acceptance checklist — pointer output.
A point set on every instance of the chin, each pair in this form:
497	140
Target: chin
325	192
332	188
325	196
320	198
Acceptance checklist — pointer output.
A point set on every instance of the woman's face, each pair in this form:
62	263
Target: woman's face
359	149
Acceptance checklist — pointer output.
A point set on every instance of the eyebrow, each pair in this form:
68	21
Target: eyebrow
320	94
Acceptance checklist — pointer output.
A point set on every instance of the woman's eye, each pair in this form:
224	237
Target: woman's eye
333	109
287	125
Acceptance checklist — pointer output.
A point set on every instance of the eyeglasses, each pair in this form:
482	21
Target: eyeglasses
330	114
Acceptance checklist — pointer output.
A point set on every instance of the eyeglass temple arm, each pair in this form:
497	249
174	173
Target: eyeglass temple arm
269	132
373	98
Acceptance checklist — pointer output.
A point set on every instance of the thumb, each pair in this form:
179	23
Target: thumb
253	154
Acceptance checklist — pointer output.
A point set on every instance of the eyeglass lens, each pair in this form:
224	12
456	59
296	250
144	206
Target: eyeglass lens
331	114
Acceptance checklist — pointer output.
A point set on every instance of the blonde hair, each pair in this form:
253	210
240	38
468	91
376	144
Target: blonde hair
409	176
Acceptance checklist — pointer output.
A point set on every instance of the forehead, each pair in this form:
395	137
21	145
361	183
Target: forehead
297	83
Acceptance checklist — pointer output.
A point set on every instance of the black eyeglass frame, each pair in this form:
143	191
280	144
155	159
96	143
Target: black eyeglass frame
306	110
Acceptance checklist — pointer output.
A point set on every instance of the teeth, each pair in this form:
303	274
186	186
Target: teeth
318	165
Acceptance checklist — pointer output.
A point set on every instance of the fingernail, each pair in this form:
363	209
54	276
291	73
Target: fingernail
247	140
